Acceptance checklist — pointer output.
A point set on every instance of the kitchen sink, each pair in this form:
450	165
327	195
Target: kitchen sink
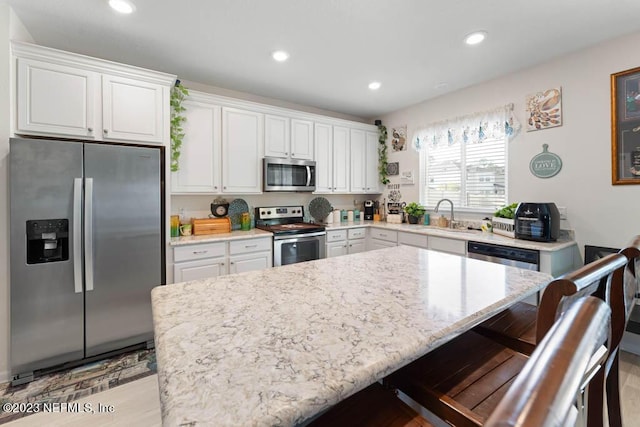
454	230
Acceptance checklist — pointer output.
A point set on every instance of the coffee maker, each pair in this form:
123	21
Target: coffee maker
369	207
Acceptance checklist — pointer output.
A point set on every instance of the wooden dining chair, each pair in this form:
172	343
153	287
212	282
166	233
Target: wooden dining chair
463	380
547	390
541	395
624	287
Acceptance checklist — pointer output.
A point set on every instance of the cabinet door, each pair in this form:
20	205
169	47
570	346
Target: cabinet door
323	148
276	136
132	110
242	151
201	269
357	161
251	262
200	164
356	246
336	249
340	159
301	139
452	246
372	180
58	100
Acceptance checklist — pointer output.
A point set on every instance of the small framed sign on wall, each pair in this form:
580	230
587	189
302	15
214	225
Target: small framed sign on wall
625	127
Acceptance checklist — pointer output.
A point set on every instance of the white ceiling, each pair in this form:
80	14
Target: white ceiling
337	46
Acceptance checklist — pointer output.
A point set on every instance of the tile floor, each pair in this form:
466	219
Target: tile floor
137	403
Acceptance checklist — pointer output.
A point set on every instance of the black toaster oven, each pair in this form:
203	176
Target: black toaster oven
537	221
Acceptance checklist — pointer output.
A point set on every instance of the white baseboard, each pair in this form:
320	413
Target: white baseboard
4	377
631	343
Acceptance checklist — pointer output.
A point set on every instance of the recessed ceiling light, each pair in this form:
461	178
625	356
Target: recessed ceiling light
122	6
374	85
280	55
475	38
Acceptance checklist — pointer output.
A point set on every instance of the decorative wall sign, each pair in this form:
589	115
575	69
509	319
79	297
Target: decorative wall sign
625	122
544	109
395	196
545	164
406	177
393	168
399	138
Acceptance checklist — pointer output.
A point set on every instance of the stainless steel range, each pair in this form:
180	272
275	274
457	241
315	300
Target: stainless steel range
293	239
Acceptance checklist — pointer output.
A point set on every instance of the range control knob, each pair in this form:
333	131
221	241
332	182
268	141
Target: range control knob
269	212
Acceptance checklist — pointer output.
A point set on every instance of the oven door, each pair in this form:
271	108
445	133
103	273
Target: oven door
298	248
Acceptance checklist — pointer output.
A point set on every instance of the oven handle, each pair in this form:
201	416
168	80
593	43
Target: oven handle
298	237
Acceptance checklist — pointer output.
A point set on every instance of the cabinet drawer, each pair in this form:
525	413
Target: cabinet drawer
193	252
451	246
391	236
357	233
336	235
249	245
411	239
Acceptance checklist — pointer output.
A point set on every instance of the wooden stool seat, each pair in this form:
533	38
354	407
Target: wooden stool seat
515	327
374	406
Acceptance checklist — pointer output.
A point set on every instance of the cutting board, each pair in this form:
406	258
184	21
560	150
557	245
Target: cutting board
211	225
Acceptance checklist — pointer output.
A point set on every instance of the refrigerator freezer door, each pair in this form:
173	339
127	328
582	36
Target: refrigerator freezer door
46	312
125	236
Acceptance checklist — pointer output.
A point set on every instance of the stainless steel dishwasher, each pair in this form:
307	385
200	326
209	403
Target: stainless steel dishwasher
505	255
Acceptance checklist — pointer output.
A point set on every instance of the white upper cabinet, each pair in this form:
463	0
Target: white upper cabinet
288	138
132	110
358	166
68	95
242	150
56	99
340	159
301	139
277	138
200	161
372	177
324	157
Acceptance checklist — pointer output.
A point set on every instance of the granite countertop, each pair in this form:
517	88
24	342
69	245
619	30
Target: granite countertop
254	233
277	346
460	234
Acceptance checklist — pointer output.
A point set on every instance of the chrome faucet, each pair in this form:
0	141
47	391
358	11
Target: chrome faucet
438	205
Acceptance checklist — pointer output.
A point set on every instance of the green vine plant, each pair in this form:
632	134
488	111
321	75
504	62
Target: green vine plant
382	154
178	94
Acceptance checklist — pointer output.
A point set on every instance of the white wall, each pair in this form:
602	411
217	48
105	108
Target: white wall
599	213
10	28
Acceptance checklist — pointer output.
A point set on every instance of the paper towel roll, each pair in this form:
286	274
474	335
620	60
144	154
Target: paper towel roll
336	216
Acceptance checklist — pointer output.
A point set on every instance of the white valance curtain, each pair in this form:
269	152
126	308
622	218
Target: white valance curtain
499	123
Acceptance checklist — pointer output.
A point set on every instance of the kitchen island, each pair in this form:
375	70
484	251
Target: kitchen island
278	346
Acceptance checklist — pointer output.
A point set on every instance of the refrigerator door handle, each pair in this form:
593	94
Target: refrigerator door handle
88	232
77	235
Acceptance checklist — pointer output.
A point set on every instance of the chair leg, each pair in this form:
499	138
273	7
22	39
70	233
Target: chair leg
613	393
595	399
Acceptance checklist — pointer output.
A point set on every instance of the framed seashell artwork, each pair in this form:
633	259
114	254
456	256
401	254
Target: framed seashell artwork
544	109
625	127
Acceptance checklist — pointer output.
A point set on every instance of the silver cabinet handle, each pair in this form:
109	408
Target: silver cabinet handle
383	235
215	187
90	129
105	131
231	263
77	235
250	246
293	154
88	233
199	252
222	263
286	154
224	188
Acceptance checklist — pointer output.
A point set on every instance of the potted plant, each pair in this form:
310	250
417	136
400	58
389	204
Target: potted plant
414	212
503	221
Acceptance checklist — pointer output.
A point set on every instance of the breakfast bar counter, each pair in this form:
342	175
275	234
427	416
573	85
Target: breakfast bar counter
278	346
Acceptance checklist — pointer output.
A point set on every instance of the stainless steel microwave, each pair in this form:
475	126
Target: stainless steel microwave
289	174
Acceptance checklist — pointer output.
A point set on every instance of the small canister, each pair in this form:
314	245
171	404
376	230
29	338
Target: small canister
356	214
343	215
245	221
361	216
336	216
350	216
426	219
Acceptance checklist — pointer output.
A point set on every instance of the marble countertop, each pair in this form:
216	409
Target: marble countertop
254	233
460	234
277	346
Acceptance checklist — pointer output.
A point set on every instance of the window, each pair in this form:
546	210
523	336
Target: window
465	159
470	175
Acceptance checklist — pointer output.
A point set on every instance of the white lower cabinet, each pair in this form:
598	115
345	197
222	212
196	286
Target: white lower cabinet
452	246
413	239
347	241
201	261
380	238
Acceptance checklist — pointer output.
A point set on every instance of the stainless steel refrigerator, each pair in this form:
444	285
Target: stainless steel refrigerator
86	250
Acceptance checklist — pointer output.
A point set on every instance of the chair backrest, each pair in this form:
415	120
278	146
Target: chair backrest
591	279
544	393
